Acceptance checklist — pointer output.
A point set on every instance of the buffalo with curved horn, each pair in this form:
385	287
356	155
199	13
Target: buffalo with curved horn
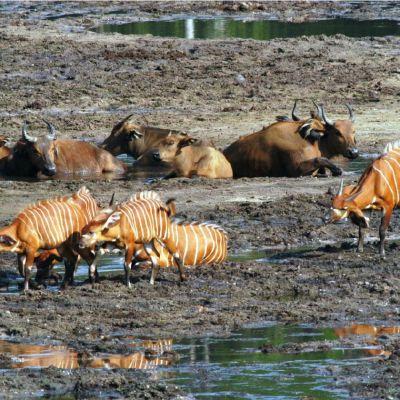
342	127
52	130
47	155
130	137
25	135
293	147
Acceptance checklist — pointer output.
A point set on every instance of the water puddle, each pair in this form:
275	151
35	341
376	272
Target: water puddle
298	362
356	166
133	172
259	29
109	264
235	368
144	173
283	255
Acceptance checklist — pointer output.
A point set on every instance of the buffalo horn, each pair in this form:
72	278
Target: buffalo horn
294	116
340	191
25	135
52	130
324	117
351	114
318	107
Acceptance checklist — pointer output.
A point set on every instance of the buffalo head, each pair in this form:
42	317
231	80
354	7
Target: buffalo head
339	137
171	146
41	151
123	133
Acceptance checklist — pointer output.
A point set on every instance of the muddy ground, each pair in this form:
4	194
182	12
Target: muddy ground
85	82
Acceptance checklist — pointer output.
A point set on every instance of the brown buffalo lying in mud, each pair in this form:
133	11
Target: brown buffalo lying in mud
50	156
189	157
293	147
128	137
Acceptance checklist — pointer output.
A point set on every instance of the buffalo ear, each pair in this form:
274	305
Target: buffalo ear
7	240
112	220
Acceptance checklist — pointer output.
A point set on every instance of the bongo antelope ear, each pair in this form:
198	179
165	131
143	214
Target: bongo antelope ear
7	240
112	220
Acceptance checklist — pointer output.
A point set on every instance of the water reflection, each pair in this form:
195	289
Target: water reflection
366	330
132	361
234	368
218	28
43	356
226	367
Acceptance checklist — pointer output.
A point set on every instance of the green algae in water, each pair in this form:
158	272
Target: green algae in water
261	29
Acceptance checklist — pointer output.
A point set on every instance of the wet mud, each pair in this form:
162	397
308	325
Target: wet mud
286	265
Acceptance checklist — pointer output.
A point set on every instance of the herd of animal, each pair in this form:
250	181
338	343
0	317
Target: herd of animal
72	227
289	147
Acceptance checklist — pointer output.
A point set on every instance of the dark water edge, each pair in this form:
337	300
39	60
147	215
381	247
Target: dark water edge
221	28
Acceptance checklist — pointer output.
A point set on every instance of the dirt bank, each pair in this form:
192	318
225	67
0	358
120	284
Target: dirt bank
85	82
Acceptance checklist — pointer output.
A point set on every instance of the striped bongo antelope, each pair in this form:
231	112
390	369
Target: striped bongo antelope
198	243
377	189
143	219
47	225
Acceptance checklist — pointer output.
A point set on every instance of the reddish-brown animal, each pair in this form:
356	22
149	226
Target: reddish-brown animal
198	243
143	219
189	158
128	137
55	157
50	224
293	148
377	189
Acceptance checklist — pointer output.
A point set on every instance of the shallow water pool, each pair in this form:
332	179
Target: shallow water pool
259	29
303	361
